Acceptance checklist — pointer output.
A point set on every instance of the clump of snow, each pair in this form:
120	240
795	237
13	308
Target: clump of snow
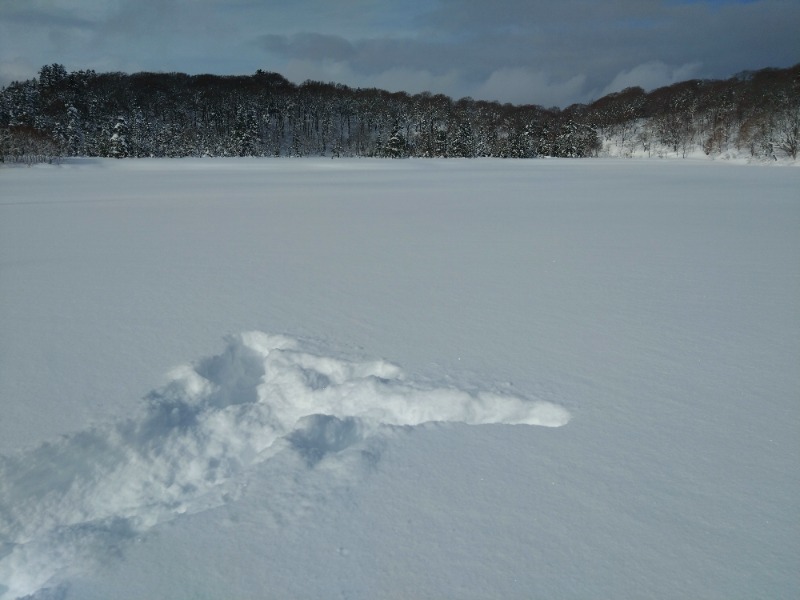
67	501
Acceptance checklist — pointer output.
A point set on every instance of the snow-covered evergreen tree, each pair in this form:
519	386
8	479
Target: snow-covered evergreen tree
75	145
395	145
463	140
118	143
173	114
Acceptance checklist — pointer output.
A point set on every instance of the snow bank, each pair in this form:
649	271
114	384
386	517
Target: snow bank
70	502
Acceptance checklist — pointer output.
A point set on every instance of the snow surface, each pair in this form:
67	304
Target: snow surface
369	351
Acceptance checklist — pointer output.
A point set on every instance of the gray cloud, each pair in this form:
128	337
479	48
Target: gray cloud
603	40
33	17
310	46
560	52
650	75
522	51
370	56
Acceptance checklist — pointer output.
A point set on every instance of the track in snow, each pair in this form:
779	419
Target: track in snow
81	498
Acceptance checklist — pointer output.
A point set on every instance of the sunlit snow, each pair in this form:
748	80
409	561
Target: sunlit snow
283	378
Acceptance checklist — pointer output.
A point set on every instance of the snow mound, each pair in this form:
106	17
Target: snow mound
72	502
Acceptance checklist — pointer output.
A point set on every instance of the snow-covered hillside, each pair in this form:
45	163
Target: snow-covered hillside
366	379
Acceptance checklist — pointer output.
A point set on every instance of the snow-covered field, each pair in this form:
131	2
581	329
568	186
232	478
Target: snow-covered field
399	379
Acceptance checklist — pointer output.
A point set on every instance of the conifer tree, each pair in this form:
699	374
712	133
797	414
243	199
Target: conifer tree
118	144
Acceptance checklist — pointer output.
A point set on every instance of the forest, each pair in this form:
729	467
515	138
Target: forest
84	113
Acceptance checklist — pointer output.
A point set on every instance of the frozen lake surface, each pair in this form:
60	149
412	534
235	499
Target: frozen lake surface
305	378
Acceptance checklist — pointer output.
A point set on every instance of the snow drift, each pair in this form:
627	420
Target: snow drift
78	499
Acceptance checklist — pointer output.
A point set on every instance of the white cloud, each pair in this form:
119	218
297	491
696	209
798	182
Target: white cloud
17	69
525	86
650	75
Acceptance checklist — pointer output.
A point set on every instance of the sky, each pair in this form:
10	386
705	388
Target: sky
546	52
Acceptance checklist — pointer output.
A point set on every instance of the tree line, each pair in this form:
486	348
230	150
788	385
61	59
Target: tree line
84	113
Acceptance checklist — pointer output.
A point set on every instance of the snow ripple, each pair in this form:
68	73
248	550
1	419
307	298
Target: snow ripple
79	499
